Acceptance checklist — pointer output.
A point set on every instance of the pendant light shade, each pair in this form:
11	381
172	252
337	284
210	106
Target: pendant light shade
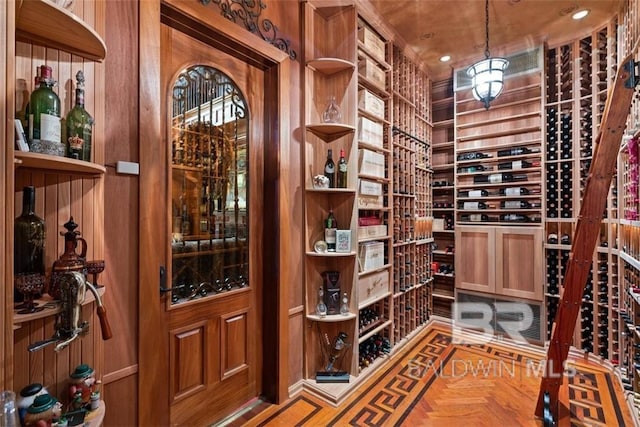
487	75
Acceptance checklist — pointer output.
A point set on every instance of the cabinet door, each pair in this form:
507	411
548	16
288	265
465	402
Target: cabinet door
475	265
519	262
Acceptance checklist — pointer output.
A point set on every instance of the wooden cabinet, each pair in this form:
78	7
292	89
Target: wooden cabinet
67	40
504	261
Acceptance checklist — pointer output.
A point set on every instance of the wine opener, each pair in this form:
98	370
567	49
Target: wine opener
69	324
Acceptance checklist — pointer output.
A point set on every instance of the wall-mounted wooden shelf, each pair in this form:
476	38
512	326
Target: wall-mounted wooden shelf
57	163
329	66
50	309
44	23
330	131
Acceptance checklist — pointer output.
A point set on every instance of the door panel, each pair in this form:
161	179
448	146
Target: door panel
519	262
213	319
475	264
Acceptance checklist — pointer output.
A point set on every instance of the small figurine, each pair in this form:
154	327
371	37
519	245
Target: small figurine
27	396
43	412
83	381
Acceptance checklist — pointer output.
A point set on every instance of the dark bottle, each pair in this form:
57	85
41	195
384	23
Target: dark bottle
497	178
474	218
44	117
330	227
29	237
342	171
470	169
79	123
514	191
518	164
473	156
515	151
514	218
330	169
473	193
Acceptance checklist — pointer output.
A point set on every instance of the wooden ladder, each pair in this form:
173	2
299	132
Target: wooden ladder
603	167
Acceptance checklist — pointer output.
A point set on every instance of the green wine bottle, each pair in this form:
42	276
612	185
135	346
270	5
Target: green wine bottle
79	126
44	117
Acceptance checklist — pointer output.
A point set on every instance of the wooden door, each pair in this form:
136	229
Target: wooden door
475	258
213	110
519	262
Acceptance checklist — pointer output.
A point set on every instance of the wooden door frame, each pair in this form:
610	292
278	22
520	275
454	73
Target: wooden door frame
210	27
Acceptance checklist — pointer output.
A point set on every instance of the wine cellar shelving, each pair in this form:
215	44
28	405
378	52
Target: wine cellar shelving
443	198
577	77
412	205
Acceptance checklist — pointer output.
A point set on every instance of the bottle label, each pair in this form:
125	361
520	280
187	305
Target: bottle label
329	169
475	217
475	193
513	191
516	164
495	178
342	167
330	238
511	204
49	128
471	205
75	143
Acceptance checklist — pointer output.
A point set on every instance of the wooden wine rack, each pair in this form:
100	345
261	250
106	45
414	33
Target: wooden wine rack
578	75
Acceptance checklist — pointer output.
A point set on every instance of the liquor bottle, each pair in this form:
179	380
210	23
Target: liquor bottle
497	178
513	191
516	151
344	307
44	117
79	123
330	169
514	218
330	227
518	164
321	307
29	237
473	193
515	204
186	221
342	171
36	85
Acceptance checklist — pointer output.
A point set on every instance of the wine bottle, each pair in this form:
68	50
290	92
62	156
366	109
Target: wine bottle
330	227
342	171
29	237
470	169
516	151
518	164
497	178
514	191
79	123
473	205
473	193
186	221
474	217
44	117
515	204
330	169
473	156
514	218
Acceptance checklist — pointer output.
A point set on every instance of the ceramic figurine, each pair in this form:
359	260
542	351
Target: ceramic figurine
83	381
26	397
43	412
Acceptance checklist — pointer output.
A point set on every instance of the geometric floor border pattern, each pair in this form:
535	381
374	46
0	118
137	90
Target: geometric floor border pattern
396	395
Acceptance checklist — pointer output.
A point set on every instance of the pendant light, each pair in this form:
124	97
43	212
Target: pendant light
487	75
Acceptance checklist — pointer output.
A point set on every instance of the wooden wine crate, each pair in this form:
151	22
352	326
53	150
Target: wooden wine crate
372	287
373	42
368	68
370	132
371	163
371	255
372	231
371	103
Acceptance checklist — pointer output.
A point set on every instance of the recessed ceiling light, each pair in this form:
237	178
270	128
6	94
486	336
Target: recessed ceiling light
445	58
580	14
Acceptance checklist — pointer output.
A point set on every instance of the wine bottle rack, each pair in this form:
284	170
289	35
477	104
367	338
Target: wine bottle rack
577	77
411	138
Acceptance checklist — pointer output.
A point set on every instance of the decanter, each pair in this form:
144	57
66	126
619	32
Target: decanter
321	308
344	308
332	113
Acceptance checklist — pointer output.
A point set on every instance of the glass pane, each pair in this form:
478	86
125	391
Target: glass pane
210	185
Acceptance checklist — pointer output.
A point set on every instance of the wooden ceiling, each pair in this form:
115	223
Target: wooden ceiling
433	28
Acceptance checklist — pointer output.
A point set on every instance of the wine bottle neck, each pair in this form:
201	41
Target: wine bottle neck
28	201
80	98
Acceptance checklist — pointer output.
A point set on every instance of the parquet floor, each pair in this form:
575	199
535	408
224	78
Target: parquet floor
432	382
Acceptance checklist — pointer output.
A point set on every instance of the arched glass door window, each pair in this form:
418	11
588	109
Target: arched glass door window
209	185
